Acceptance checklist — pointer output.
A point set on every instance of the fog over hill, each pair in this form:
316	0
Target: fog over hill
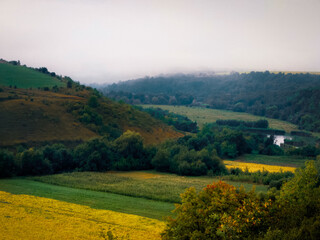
111	41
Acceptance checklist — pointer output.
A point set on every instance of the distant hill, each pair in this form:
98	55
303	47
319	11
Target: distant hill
290	97
72	114
25	77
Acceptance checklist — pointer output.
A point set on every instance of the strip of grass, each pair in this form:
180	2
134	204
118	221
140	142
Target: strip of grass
162	187
290	161
207	115
24	77
97	200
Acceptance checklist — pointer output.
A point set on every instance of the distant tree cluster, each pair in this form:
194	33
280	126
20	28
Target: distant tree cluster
180	122
290	97
248	124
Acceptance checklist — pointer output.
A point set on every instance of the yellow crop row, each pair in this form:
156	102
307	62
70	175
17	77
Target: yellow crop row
30	217
254	167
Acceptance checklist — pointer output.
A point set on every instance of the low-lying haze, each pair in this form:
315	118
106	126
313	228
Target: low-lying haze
107	41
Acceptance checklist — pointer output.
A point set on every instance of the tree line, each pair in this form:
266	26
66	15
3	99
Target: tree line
195	155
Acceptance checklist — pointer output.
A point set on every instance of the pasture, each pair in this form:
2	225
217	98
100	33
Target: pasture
207	115
146	185
24	77
94	199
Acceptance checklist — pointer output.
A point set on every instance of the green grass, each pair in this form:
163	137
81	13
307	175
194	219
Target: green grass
162	186
24	77
206	115
97	200
290	161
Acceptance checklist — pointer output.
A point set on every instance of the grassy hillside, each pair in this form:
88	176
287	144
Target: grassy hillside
35	116
29	217
151	185
206	115
93	199
30	116
24	77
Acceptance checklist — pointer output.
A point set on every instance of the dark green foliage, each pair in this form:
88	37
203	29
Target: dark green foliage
7	164
306	151
237	123
32	162
59	156
298	207
94	155
273	179
69	82
130	151
178	121
178	157
93	102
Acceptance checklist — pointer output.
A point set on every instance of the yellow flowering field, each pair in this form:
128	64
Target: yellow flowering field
30	217
253	167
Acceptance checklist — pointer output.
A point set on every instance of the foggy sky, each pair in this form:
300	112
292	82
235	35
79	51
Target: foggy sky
108	41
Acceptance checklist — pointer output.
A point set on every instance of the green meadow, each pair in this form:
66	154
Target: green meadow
94	199
148	185
207	115
23	77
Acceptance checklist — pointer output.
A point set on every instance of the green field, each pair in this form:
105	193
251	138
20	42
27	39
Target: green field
289	161
97	200
207	115
23	77
150	185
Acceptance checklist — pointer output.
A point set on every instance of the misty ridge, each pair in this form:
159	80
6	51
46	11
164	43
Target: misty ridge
286	96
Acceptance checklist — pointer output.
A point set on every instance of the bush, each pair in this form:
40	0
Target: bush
220	211
32	162
94	155
129	147
7	164
59	156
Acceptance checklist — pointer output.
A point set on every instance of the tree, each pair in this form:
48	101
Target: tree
219	211
59	156
94	155
32	162
7	165
93	102
129	147
298	206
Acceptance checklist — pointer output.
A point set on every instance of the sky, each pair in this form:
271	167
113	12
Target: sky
105	41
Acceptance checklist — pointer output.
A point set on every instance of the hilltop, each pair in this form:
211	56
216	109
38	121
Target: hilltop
72	114
15	75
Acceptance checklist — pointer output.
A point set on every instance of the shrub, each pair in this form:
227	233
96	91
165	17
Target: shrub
220	211
7	164
93	155
32	162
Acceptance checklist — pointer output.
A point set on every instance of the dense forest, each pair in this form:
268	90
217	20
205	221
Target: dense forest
290	97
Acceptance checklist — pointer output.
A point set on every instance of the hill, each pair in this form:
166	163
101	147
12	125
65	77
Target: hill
24	77
72	113
290	97
34	117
